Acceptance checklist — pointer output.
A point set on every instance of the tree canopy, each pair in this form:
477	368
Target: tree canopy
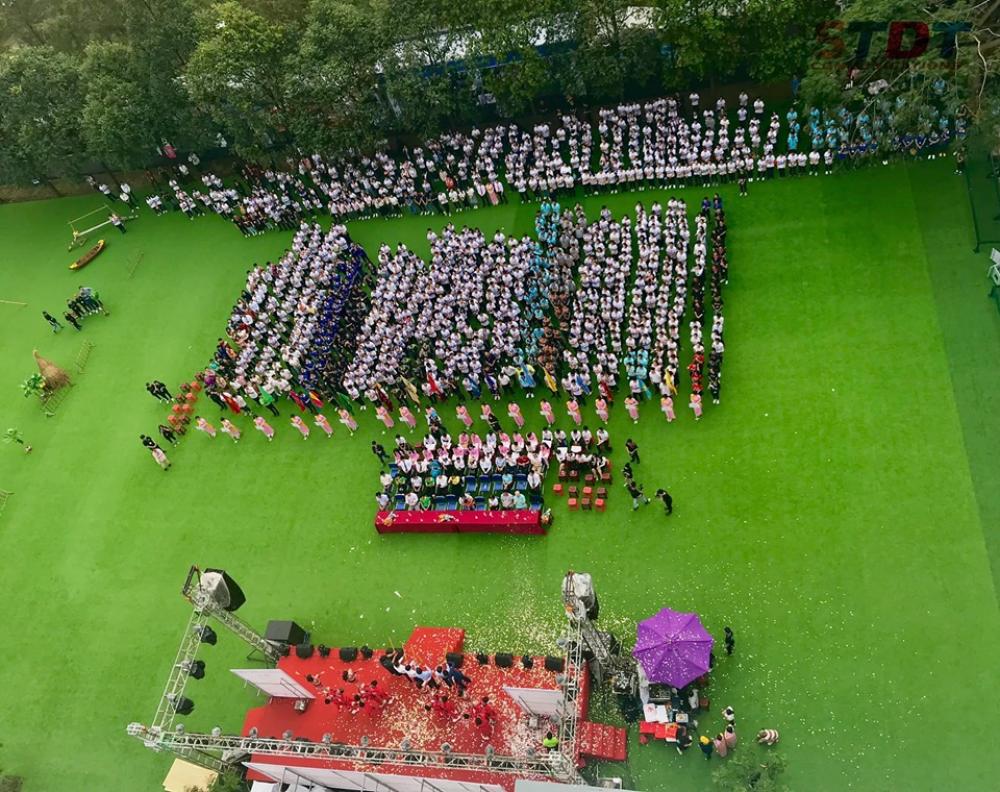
111	80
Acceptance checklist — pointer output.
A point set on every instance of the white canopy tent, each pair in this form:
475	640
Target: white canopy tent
273	682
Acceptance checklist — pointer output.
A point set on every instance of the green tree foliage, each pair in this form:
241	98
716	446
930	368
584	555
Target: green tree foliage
237	73
39	101
750	769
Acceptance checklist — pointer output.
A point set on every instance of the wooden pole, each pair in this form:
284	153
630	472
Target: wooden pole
12	302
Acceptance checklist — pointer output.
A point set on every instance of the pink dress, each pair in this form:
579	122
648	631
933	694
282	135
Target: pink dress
160	457
299	424
407	417
264	427
546	410
202	425
667	405
514	411
348	420
384	417
601	408
696	405
485	412
574	411
231	429
324	424
463	415
632	406
720	747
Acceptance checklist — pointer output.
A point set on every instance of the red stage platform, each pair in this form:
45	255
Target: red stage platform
521	521
405	717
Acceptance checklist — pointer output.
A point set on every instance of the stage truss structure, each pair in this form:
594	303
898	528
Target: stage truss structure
218	751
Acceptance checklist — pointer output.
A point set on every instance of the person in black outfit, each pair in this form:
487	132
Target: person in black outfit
730	640
633	450
168	434
161	391
668	502
72	318
148	442
379	451
627	471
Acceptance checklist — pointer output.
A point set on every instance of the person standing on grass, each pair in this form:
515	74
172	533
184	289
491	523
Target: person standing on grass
117	222
706	746
573	408
633	450
668	502
204	426
730	640
264	427
601	408
546	410
73	319
168	434
743	185
667	406
463	415
348	420
379	451
632	408
321	421
231	429
407	417
638	496
719	743
514	412
729	735
53	322
160	457
696	405
299	424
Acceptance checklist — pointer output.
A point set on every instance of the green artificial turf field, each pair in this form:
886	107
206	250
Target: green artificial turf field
839	510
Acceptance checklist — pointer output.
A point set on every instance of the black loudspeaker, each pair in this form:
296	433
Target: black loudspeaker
455	658
324	650
503	660
527	661
482	659
287	632
367	652
554	664
304	651
348	654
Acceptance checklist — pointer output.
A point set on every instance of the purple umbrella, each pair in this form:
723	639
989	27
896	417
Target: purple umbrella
673	647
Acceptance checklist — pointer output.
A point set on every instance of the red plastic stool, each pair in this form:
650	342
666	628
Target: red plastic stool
588	491
572	504
586	504
599	504
557	489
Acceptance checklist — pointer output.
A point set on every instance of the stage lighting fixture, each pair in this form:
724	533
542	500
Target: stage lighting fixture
531	752
446	748
179	728
489	751
527	661
195	668
287	734
364	742
560	679
252	734
216	731
327	738
181	704
207	635
405	744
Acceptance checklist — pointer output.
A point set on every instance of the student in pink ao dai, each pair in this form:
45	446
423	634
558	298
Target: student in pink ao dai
204	426
384	417
546	410
231	429
463	415
601	408
574	411
514	411
407	417
299	424
348	420
264	427
632	407
321	421
667	405
696	405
